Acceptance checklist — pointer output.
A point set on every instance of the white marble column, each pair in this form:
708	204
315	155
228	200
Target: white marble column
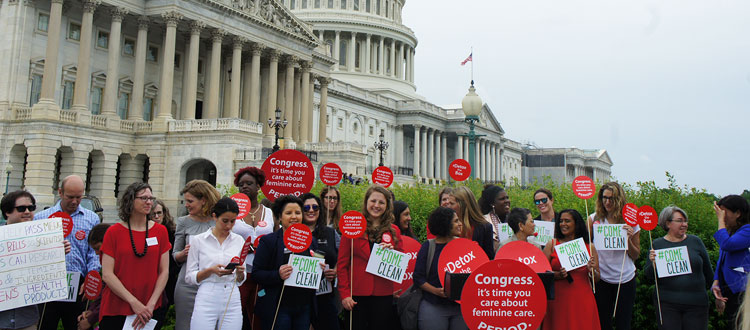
400	63
438	152
392	60
310	107
234	93
288	111
336	50
491	162
430	153
49	79
459	147
399	146
374	58
323	122
381	56
167	65
478	160
192	69
417	148
141	45
368	44
350	58
256	50
444	157
112	85
211	107
411	67
273	75
295	124
423	155
83	69
305	114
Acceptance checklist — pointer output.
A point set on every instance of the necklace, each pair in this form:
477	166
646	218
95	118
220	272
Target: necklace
145	241
252	215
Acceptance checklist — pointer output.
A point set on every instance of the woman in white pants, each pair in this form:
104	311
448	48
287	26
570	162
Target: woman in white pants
210	254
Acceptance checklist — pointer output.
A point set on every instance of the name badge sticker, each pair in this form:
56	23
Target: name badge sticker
151	241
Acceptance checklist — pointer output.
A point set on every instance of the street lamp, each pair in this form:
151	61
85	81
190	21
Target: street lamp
472	106
278	123
382	146
8	169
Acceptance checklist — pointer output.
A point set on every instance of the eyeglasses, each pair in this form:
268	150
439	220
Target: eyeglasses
244	183
607	198
308	207
681	221
541	201
146	198
23	208
331	198
159	213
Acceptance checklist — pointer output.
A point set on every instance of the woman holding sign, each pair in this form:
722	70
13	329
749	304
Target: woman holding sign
617	267
574	304
733	236
474	225
135	262
372	298
684	303
209	261
520	221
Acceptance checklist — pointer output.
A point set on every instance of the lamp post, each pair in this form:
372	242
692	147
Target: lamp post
276	124
8	169
472	106
382	146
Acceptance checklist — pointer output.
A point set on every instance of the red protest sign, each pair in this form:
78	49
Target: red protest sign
352	224
503	294
460	255
234	260
584	187
411	248
387	237
647	217
526	253
330	174
382	176
459	169
297	237
67	222
246	249
630	214
92	285
288	172
243	202
257	241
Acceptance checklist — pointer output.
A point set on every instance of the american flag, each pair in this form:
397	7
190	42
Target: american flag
468	59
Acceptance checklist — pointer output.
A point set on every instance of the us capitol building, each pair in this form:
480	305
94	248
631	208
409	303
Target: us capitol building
166	91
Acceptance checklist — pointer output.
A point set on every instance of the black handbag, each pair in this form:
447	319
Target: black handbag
408	303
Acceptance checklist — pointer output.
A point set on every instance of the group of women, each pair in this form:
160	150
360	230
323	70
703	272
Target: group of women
149	262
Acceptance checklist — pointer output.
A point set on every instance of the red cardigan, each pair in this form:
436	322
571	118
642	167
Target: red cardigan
367	284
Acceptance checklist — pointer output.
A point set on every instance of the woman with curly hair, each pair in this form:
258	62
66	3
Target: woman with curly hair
372	298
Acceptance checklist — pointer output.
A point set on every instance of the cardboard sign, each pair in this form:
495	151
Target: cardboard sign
352	224
647	217
243	202
610	237
73	279
67	222
92	286
544	230
584	187
503	232
246	249
382	176
411	248
306	272
459	169
573	254
32	263
330	174
297	238
673	262
288	172
460	255
503	294
525	253
630	214
387	263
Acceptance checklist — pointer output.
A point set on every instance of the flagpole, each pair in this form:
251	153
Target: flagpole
472	65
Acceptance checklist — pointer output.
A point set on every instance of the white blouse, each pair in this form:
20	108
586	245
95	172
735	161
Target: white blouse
206	251
264	227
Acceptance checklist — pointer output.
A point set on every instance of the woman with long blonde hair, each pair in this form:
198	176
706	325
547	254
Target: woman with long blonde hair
474	226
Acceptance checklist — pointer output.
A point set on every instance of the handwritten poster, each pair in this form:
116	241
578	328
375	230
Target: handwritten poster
545	231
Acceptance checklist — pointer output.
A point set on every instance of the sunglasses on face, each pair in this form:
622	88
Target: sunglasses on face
23	208
541	201
308	207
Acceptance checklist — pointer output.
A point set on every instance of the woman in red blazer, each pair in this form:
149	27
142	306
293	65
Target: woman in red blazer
372	298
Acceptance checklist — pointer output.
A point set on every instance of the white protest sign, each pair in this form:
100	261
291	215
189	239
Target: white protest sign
572	254
306	272
673	262
503	232
326	286
387	263
545	231
73	280
610	237
32	263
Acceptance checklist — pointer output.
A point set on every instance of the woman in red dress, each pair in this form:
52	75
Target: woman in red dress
574	306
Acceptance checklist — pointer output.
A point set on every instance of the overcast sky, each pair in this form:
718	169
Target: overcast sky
662	85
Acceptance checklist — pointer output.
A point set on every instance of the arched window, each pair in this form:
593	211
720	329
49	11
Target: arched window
357	50
342	52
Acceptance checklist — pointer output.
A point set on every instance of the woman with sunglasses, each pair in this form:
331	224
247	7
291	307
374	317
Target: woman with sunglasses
331	212
325	236
544	203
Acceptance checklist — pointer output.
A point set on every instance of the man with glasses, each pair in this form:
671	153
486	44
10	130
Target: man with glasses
82	257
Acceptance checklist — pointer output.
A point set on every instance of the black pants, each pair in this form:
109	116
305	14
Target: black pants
682	317
606	294
328	317
732	307
372	313
66	311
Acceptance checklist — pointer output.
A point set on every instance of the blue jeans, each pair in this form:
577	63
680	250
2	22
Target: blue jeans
290	318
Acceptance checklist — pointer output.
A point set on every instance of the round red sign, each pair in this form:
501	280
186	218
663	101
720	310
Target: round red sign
67	222
80	235
503	294
387	237
382	176
460	255
92	285
459	169
352	224
584	187
647	217
243	202
246	249
288	172
257	241
330	174
526	253
297	237
630	214
411	248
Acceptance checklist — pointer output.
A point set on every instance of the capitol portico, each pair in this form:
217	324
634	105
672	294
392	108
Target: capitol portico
166	91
